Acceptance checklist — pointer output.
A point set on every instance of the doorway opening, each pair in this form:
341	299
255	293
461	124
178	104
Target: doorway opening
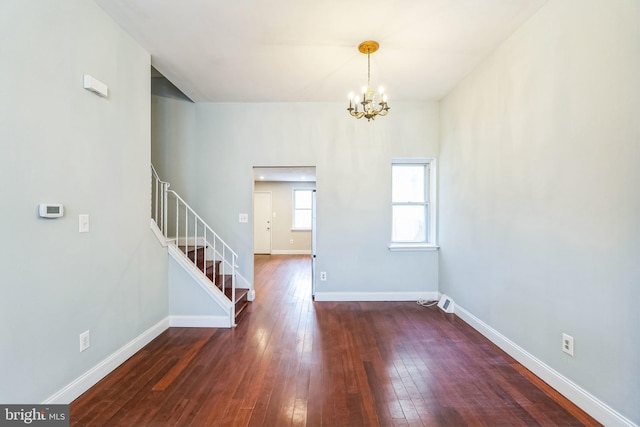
284	212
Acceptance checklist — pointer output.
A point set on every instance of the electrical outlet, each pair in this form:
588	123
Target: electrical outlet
291	242
567	344
323	275
85	340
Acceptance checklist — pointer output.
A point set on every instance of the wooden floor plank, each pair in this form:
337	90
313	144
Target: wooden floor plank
295	362
177	369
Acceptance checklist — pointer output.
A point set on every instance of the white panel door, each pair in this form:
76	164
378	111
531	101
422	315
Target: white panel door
262	222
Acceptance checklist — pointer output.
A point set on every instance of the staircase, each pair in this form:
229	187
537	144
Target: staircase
200	248
223	282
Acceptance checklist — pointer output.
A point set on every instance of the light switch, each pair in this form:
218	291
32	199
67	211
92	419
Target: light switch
243	217
83	223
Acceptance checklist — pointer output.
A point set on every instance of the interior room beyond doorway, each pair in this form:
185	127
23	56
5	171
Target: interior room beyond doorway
282	210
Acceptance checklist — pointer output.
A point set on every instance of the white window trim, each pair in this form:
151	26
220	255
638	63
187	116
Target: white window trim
412	247
431	244
293	209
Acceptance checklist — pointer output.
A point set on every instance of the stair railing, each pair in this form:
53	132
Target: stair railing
184	228
159	201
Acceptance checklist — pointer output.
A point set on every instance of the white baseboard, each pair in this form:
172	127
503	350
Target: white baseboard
87	380
583	399
375	296
200	321
291	252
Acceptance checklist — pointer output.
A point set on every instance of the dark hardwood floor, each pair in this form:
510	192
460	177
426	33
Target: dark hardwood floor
291	361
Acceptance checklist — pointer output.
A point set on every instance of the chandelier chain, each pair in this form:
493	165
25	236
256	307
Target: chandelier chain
368	71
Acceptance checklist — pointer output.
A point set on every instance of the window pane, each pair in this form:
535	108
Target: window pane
409	224
302	219
302	199
408	183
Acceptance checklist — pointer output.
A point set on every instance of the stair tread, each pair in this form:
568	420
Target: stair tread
240	310
240	293
191	248
211	268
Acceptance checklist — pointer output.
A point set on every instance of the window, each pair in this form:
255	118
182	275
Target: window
413	204
302	200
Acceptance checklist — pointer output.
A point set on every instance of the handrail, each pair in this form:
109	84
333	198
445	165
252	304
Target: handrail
159	200
156	176
202	221
188	227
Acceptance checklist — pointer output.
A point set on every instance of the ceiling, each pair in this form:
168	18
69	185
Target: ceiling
306	51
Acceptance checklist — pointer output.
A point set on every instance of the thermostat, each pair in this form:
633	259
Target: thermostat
50	210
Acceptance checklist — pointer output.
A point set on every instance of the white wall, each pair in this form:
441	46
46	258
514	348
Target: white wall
173	122
353	161
61	143
283	239
188	299
539	200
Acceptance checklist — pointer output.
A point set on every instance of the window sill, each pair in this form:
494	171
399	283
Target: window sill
412	247
300	229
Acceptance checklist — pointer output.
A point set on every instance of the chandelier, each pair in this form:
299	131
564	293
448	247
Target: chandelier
369	96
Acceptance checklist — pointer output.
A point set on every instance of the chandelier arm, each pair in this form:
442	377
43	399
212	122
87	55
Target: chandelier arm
356	114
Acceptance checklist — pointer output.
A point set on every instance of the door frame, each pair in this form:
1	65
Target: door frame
313	243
